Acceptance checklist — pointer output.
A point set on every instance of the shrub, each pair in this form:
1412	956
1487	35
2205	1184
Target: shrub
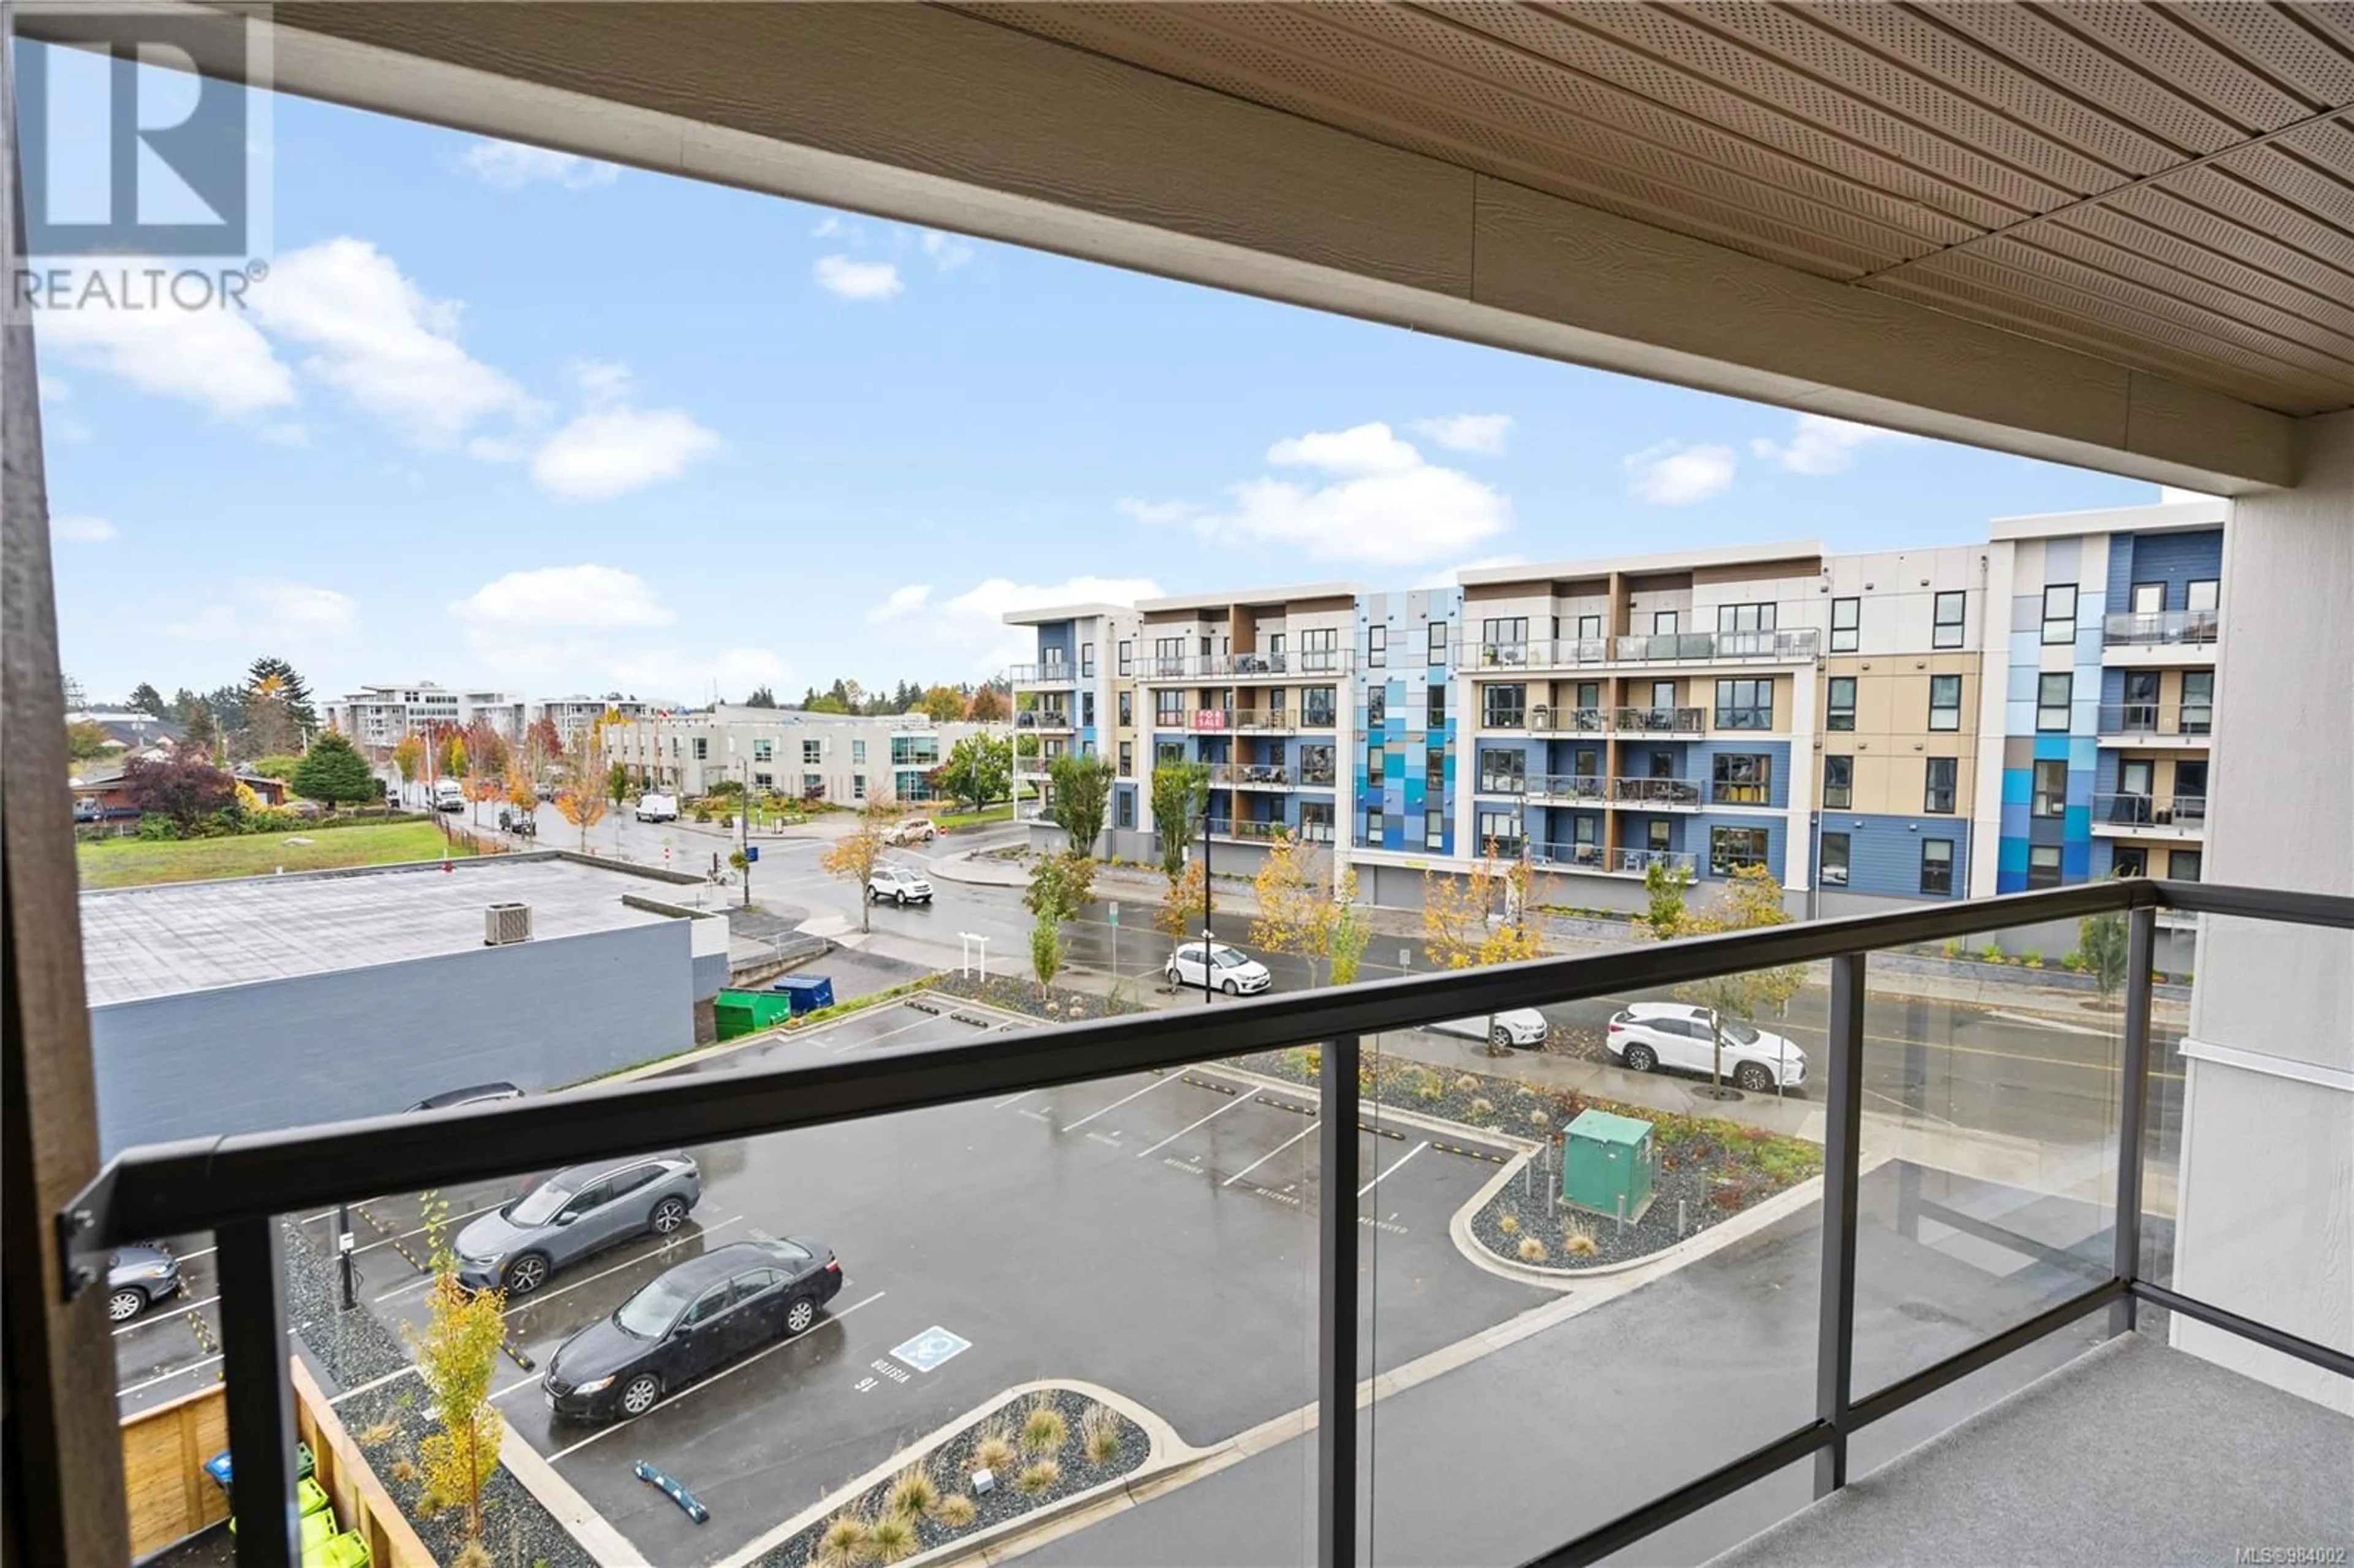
1038	1475
912	1492
381	1433
1042	1430
1430	1092
1307	1061
155	827
890	1538
1539	1117
403	1469
843	1541
474	1555
954	1510
1483	1108
1577	1240
994	1449
2031	959
1952	949
2073	962
1991	953
1100	1435
1532	1250
1467	1084
1508	1224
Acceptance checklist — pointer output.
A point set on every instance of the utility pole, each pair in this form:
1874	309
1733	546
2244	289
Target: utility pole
744	828
1207	948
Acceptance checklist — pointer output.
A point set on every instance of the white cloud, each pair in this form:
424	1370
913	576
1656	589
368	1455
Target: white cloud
53	389
82	530
833	225
567	598
1820	444
600	380
214	357
1381	503
594	625
1484	434
848	280
947	252
274	612
612	451
376	337
967	635
510	165
1673	475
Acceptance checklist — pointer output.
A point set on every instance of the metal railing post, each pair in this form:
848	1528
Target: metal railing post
2141	950
1842	1135
260	1395
1336	1309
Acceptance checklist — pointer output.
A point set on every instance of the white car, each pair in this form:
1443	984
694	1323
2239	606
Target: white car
657	808
897	884
1238	974
1649	1035
914	831
1513	1026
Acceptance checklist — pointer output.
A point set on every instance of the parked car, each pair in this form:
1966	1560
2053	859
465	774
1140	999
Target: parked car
692	1319
657	808
1513	1026
475	1095
1238	974
1675	1035
136	1279
897	884
914	831
578	1211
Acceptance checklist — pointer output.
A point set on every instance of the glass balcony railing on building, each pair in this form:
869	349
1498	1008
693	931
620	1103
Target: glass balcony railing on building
2158	627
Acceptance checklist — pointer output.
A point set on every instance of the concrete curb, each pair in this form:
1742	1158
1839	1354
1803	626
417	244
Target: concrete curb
1521	1146
588	1529
1697	1244
1166	1452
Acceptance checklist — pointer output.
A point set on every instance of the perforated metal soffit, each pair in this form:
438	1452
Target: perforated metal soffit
2167	186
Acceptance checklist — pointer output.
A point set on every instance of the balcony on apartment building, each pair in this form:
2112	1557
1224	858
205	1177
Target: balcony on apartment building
1054	672
2190	630
1657	721
2156	724
2122	815
1043	720
1657	794
1297	665
1272	776
1260	721
1782	647
1248	829
1597	859
1547	788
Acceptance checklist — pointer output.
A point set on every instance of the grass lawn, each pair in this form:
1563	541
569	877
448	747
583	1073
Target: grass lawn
131	863
975	819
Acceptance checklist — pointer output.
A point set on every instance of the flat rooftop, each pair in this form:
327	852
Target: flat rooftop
141	942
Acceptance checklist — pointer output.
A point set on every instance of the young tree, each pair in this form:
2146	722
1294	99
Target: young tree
87	738
1180	790
1297	911
1351	933
617	785
146	699
334	772
581	800
454	762
1183	907
456	1355
1060	886
853	857
280	767
201	737
944	704
1082	790
184	790
1663	885
978	770
1046	951
408	756
1463	929
543	741
987	706
1752	900
2103	939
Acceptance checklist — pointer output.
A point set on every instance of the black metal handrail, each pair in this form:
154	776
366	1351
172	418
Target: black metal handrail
237	1186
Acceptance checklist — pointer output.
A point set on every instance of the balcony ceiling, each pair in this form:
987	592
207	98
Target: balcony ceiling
2167	186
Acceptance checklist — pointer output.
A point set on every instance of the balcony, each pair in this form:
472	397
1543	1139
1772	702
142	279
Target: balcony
2161	628
1247	829
1270	776
1299	666
1637	861
2184	817
1547	788
1044	721
2166	725
1657	794
1055	672
1545	720
1718	647
1597	860
1544	653
1657	721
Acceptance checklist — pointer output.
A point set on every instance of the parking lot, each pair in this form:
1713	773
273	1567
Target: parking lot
983	1245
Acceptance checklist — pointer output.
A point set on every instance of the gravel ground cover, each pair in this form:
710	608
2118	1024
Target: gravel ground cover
389	1421
1057	1005
1095	1443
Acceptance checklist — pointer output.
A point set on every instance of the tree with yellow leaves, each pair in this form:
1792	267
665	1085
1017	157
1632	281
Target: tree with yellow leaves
1181	907
1299	911
1752	900
582	798
853	856
456	1355
1463	929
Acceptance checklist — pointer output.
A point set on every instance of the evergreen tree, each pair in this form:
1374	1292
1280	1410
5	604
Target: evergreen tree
202	737
334	772
287	685
146	699
761	697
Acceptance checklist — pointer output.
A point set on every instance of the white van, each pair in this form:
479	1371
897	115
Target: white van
657	808
449	795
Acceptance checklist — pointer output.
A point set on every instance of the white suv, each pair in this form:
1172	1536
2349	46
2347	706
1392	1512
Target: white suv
1238	974
899	884
1648	1034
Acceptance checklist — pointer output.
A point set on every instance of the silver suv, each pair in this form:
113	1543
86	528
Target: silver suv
575	1213
899	884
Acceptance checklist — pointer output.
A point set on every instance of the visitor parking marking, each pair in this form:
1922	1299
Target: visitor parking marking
930	1348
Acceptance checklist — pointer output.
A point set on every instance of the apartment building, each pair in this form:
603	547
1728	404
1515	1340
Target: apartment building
1879	729
847	759
382	716
577	712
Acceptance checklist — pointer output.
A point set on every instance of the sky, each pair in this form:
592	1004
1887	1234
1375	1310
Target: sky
504	417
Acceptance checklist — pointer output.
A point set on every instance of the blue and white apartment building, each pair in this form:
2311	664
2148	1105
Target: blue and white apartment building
1878	728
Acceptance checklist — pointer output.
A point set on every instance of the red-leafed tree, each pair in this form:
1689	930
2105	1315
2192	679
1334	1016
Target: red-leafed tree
185	790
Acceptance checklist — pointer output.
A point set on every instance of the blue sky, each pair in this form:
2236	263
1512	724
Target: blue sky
504	417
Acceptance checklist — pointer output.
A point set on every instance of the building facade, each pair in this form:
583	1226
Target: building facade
1878	729
845	758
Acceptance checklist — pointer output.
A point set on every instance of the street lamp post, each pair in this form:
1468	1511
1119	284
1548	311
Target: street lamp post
1206	939
744	828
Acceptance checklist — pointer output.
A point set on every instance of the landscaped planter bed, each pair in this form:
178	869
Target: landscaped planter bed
951	1465
1057	1005
387	1420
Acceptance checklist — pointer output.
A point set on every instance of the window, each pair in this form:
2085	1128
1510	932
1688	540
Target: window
1275	703
2189	792
1318	708
2202	596
857	752
1944	702
1319	649
1123	803
1275	648
1168	656
1834	870
1504	707
1846	618
1437	643
1499	828
2183	865
1938	794
1127	709
1945	628
1740	780
1503	772
1744	617
2053	693
764	750
1087	659
1316	765
1839	783
1842	703
1128	759
1373	826
2050	795
707	1306
1168	751
858	785
2147	598
1433	830
1663	623
1937	867
1589	626
1658	835
1505	632
2043	865
2129	861
1729	848
1434	774
2060	613
1744	705
1377	705
1377	646
1088	709
2197	702
1434	707
1127	657
914	750
812	752
1169	709
1316	820
764	780
1376	760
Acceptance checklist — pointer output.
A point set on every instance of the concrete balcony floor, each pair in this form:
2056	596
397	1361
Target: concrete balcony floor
2131	1453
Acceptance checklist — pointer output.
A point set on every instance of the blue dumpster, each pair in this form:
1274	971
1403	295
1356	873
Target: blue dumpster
807	993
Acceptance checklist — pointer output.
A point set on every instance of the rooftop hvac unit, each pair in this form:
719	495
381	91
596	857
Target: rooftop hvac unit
506	923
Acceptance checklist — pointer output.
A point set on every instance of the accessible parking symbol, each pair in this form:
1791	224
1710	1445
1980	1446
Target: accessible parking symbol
927	1350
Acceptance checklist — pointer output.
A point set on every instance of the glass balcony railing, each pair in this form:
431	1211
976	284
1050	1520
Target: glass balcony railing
2157	719
1053	673
1272	776
1042	718
1696	647
1995	1212
1295	664
1660	721
1672	792
1568	721
2179	813
2155	628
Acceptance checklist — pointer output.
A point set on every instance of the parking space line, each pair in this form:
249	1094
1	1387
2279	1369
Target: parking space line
878	1040
404	1236
1270	1154
372	1382
1235	1104
1117	1103
523	1301
166	1377
1394	1165
706	1382
1011	1098
171	1317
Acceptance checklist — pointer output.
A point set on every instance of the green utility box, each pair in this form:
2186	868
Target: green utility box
739	1013
1606	1161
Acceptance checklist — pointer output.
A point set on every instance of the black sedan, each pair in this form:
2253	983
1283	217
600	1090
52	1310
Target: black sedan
690	1320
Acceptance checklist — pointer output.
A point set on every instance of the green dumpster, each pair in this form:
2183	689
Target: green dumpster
739	1013
1605	1162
